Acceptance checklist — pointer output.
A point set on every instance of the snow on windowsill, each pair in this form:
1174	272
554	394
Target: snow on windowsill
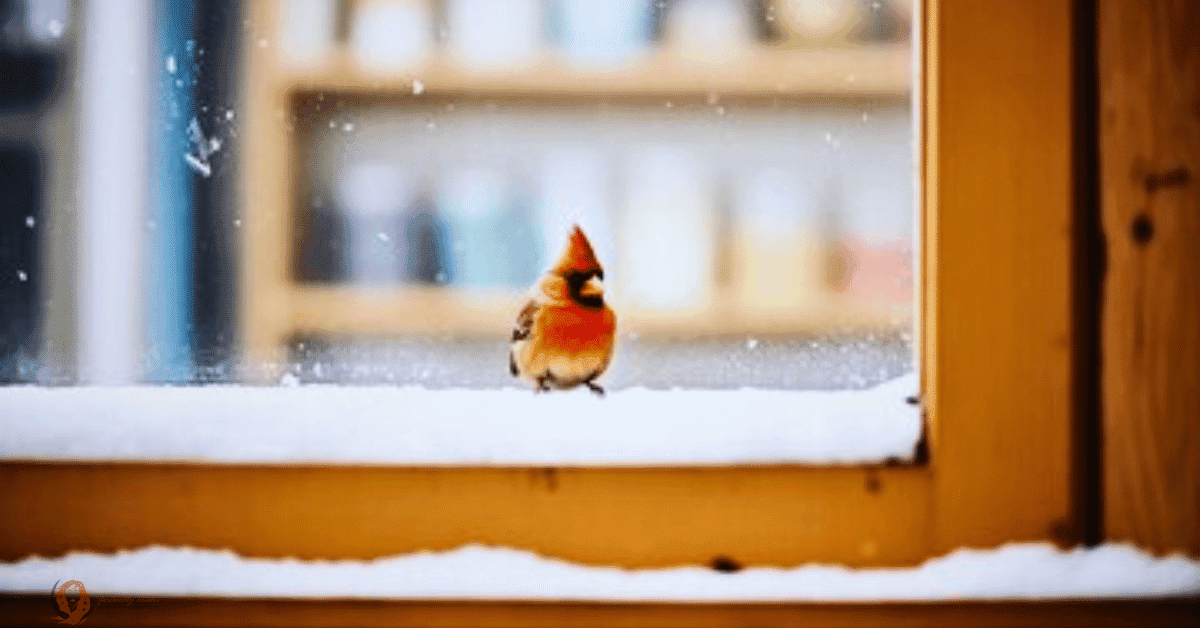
416	426
1015	571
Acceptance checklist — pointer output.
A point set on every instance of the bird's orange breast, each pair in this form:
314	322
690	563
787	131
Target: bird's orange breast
573	329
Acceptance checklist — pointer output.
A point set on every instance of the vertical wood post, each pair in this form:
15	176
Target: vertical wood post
1149	61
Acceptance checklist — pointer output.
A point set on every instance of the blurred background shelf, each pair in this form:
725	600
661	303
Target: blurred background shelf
410	311
744	168
849	72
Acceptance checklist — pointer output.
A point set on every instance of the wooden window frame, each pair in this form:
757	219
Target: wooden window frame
997	338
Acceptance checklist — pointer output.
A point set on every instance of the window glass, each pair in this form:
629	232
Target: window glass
742	170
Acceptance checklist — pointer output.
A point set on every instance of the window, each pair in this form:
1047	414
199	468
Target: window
995	331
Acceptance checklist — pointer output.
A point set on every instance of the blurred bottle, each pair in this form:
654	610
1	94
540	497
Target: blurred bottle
493	242
372	194
778	241
575	187
427	243
323	243
668	232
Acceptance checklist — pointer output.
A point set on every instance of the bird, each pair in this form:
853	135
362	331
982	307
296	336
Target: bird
564	335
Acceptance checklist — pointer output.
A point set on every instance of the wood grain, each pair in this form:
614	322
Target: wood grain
629	517
1002	194
996	369
1150	192
34	610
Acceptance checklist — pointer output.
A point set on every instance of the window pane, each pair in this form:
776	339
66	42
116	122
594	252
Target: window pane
369	193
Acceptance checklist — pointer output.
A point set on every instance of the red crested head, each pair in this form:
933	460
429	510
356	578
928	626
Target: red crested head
579	257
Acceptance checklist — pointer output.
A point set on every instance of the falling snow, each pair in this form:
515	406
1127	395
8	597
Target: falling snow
203	149
21	275
55	28
203	167
29	221
418	87
171	64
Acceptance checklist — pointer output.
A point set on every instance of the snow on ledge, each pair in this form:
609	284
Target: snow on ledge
1013	571
389	425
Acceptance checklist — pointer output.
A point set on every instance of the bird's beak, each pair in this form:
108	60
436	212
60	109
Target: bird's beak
594	287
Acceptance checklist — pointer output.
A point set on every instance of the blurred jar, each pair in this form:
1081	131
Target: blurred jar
391	35
307	29
602	34
817	22
491	36
710	31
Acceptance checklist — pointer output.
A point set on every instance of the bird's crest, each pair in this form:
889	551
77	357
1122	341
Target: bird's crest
579	257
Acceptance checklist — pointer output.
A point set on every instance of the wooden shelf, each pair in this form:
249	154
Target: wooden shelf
401	311
863	72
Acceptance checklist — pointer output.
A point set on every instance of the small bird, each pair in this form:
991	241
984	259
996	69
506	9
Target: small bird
564	335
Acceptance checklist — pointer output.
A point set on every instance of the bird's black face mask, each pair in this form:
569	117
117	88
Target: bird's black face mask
575	282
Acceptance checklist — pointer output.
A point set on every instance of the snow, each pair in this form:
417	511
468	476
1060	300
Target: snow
1012	571
418	87
199	165
205	148
414	425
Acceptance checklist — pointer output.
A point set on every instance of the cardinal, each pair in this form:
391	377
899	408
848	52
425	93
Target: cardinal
564	335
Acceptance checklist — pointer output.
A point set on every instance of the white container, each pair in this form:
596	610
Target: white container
306	31
372	195
668	232
710	32
391	36
604	34
494	35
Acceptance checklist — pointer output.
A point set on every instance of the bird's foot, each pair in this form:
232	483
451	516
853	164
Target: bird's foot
594	387
541	386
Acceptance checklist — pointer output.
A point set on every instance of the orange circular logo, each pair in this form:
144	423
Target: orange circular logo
72	591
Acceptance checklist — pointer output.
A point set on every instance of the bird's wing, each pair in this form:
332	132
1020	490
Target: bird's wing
524	323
